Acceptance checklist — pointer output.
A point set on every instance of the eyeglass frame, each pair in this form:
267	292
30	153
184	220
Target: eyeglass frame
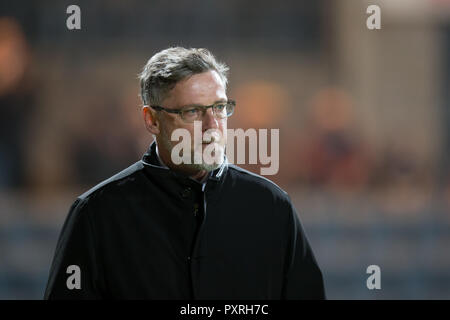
203	108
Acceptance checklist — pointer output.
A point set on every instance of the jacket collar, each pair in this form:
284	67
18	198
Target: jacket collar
151	159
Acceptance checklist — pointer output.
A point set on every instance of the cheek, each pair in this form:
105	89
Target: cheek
223	129
170	125
166	131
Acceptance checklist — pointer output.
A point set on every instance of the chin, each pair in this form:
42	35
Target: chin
210	165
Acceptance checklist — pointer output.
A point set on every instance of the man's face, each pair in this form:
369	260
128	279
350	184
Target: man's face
202	89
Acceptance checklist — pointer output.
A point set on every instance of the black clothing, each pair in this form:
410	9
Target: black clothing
151	233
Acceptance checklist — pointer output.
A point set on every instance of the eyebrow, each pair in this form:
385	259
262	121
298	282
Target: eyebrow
199	105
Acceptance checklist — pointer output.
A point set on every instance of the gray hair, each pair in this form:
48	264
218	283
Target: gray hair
167	67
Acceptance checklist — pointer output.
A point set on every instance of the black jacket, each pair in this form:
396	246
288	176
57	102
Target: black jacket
150	233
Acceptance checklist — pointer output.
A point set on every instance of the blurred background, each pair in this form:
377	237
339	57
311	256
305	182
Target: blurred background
364	119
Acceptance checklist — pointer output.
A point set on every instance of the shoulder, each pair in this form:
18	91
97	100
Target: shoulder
263	198
102	199
125	179
253	182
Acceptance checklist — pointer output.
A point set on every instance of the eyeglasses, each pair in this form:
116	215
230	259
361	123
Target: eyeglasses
220	110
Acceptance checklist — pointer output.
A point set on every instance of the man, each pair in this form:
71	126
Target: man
205	229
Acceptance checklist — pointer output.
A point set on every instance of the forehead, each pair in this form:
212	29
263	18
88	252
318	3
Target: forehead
203	89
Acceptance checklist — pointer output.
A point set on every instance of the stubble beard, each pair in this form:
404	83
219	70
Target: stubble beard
192	167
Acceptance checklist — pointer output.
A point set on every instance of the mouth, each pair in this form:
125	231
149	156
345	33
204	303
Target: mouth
214	137
209	142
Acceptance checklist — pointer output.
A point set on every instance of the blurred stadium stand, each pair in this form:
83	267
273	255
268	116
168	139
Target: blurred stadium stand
412	255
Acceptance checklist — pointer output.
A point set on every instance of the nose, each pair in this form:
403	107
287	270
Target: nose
209	120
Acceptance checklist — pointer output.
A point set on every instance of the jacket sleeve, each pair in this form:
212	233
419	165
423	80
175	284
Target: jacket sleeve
303	277
74	273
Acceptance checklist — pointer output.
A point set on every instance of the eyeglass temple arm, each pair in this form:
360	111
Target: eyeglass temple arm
158	108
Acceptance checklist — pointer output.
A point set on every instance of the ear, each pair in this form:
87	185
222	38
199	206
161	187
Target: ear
150	119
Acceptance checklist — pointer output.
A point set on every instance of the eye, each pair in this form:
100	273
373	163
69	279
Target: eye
220	107
191	111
